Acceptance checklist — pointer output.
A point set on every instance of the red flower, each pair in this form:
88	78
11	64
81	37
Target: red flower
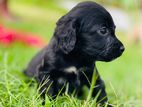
8	37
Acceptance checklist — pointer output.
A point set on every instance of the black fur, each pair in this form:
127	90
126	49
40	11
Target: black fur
83	36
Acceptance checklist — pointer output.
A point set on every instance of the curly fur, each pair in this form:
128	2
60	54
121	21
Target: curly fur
84	35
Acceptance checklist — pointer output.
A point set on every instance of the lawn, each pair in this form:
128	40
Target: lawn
122	76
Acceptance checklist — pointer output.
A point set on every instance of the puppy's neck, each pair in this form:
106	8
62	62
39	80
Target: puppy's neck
79	58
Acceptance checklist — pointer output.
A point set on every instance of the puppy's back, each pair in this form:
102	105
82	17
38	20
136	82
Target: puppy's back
32	68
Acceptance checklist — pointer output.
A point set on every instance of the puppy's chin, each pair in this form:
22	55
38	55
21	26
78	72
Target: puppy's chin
108	57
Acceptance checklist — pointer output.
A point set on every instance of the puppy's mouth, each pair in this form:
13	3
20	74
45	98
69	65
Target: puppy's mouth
109	55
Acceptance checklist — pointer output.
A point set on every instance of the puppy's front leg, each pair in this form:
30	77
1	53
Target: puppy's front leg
100	90
45	83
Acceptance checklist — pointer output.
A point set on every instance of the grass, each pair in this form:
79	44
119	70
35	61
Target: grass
122	76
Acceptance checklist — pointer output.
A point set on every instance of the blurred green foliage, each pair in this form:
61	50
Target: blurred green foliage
127	4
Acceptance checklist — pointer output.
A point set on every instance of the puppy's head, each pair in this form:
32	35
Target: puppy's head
89	29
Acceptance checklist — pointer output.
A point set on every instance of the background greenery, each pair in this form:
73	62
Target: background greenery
122	76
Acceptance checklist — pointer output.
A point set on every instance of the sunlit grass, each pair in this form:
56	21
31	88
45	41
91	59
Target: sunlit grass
122	78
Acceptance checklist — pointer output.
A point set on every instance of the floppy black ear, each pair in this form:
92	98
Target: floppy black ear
66	34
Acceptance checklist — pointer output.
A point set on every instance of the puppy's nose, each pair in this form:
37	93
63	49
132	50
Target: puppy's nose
122	48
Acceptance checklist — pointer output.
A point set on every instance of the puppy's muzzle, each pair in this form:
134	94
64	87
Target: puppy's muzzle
118	47
113	51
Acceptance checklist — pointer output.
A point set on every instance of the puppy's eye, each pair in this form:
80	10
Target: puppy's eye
103	31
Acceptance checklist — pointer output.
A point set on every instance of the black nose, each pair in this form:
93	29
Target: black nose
122	48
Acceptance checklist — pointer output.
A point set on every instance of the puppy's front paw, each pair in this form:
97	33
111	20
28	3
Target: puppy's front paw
105	105
109	105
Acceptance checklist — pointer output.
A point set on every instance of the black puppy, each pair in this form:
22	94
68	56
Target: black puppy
83	36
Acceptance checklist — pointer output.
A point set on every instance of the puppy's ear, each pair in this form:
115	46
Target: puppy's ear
66	34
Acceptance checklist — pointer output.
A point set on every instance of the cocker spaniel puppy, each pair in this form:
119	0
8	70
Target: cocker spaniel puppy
84	35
